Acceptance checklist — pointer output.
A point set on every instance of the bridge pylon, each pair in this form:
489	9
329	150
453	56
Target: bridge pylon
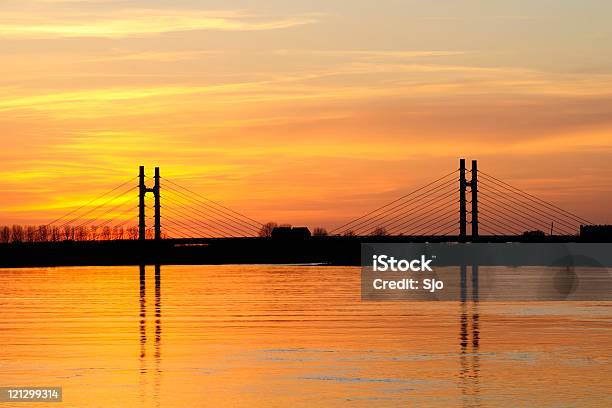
463	186
462	202
474	190
142	191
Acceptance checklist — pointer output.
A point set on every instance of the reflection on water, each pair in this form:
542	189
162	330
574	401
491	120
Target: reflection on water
143	335
469	328
157	334
291	336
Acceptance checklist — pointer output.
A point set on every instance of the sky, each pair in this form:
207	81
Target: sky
303	112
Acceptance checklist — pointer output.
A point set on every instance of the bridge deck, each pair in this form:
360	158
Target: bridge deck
333	250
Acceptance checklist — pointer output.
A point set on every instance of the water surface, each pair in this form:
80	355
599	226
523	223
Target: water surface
296	336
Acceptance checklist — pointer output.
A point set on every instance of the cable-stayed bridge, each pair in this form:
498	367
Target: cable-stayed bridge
464	204
150	211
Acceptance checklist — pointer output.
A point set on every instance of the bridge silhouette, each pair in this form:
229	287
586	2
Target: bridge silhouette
465	204
173	223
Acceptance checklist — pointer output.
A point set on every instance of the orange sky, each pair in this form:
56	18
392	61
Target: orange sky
307	113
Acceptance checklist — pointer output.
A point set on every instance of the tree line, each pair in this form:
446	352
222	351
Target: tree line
50	233
267	228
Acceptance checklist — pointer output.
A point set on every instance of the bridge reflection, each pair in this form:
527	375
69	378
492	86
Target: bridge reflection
469	339
143	336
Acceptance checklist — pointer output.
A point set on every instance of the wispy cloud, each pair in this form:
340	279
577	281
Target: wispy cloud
345	82
471	19
376	53
158	56
121	23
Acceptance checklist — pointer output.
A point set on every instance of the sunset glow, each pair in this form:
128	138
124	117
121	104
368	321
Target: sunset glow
308	113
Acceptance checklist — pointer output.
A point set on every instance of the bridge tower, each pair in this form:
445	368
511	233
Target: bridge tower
474	190
142	191
463	186
462	202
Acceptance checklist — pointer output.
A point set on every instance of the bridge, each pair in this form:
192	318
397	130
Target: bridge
153	219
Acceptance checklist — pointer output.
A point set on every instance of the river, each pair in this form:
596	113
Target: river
296	336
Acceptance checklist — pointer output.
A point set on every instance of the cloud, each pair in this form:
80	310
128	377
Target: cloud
157	56
136	22
375	53
348	82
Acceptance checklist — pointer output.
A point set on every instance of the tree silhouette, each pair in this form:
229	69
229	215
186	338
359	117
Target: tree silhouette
47	233
266	229
379	232
319	232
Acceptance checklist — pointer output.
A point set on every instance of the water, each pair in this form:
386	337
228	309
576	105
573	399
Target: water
294	336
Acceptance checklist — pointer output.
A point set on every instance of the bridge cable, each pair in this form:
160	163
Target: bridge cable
180	203
509	226
256	224
186	231
532	210
342	227
178	233
435	210
183	214
91	202
431	223
100	215
401	208
441	197
488	221
534	198
183	226
441	228
405	207
502	211
97	207
118	215
204	207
